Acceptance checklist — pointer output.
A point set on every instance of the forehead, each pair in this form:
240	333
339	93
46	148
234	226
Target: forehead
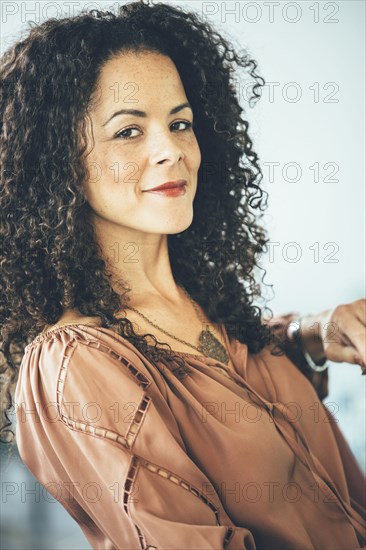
138	77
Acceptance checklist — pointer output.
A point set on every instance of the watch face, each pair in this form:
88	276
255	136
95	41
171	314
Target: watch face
293	330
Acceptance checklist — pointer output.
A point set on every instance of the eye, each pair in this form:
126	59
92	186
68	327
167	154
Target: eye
189	125
122	133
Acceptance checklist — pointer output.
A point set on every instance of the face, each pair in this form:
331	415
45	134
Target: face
136	151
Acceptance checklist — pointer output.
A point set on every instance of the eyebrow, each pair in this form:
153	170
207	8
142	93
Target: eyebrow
142	114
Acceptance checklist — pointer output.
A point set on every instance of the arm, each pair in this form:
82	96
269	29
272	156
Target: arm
279	325
103	443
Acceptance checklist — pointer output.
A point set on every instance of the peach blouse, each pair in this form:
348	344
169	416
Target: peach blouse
250	459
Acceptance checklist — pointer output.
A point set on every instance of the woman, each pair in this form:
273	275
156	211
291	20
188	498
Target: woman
219	440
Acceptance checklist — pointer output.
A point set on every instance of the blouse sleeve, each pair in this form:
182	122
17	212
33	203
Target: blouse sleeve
319	380
95	430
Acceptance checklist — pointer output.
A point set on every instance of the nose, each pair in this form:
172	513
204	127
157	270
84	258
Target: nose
165	149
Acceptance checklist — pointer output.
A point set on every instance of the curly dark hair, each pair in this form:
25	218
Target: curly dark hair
51	260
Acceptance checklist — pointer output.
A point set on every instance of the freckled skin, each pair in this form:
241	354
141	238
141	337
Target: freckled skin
159	151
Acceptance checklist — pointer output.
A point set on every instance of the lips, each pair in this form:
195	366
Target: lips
168	185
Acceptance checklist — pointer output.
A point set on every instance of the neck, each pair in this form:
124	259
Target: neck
140	260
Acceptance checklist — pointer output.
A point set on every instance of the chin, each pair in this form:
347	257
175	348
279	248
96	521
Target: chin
174	228
184	224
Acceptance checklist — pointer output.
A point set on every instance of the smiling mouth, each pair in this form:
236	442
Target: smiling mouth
169	185
175	191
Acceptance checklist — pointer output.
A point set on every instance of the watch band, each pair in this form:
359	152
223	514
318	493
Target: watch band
294	334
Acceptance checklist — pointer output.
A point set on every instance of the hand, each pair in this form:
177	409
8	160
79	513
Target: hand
343	333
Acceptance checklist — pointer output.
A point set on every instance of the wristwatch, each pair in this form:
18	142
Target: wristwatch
294	335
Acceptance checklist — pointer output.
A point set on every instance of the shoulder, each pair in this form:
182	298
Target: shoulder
87	379
83	363
74	316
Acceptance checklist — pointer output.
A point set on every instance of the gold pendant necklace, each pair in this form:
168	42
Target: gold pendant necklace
209	345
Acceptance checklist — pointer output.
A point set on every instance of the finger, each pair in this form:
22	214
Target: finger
355	337
343	354
360	311
346	354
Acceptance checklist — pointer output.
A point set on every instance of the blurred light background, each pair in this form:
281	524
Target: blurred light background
309	131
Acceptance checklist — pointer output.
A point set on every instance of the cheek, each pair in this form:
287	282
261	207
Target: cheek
103	172
195	149
111	184
102	167
96	185
196	157
106	161
120	171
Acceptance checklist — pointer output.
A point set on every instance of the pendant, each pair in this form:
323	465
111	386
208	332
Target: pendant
210	346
